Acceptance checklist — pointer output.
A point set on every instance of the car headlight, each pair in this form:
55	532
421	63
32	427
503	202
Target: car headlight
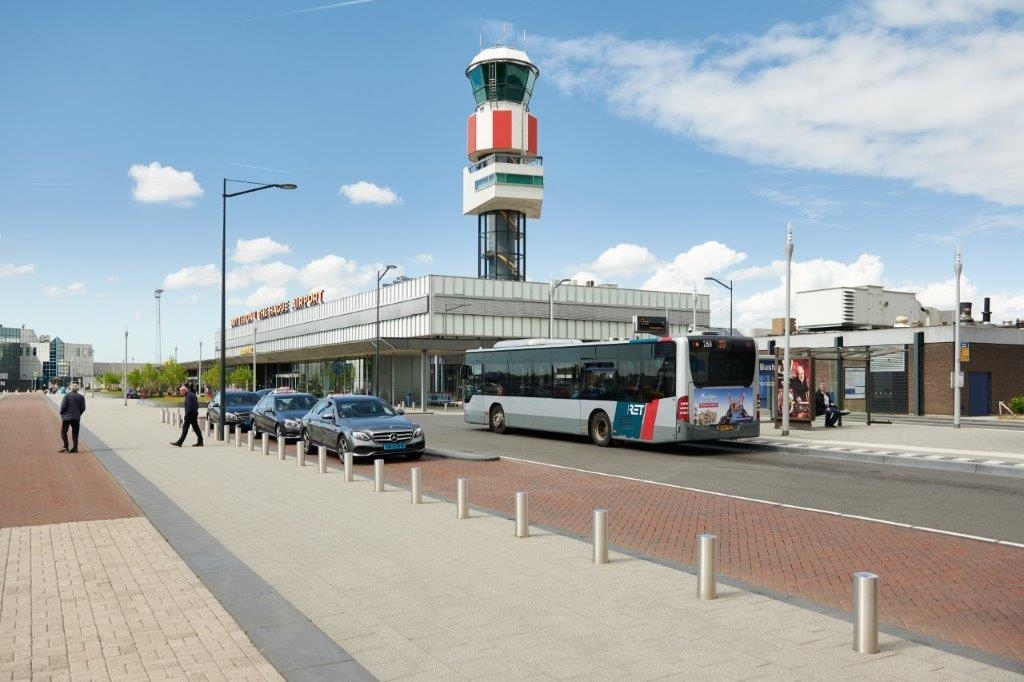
417	432
291	423
359	435
230	416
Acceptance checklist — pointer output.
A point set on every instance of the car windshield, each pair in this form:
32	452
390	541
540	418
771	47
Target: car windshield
240	399
294	403
364	408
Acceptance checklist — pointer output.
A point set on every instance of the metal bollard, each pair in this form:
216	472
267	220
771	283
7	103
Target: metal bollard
219	433
522	515
415	476
252	440
265	444
348	467
321	458
300	454
238	438
209	427
707	588
280	449
378	475
163	416
600	536
865	613
462	492
227	436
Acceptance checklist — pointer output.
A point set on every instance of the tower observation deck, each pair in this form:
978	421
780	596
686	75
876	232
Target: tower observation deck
503	184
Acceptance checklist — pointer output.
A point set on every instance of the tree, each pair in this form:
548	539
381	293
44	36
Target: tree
135	378
211	378
149	379
172	375
110	379
240	377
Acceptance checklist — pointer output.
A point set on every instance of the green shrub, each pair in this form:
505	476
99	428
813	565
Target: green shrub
1017	404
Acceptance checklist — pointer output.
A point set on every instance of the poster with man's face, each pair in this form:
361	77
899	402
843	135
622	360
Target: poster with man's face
797	381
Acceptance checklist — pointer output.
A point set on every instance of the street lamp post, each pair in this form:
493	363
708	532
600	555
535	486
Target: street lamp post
785	352
376	345
223	275
253	357
124	372
156	294
199	372
552	285
957	268
729	287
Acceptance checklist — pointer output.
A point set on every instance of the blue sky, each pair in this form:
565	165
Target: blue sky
678	140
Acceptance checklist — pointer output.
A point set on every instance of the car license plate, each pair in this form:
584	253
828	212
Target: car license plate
394	446
725	427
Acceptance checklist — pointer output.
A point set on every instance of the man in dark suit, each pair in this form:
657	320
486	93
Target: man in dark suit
71	409
191	417
825	404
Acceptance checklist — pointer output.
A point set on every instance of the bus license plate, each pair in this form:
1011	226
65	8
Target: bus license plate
394	446
725	427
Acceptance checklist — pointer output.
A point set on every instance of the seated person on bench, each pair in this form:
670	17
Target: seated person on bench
825	404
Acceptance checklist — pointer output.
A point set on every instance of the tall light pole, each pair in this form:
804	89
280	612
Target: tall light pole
223	275
957	268
376	346
124	372
156	294
199	372
785	352
552	285
729	287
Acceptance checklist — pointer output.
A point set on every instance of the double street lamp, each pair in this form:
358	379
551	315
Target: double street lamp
729	287
552	285
376	345
225	195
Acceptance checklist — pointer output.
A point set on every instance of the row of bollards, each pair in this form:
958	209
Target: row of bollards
865	585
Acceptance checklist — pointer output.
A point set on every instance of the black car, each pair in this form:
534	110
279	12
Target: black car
279	412
237	406
363	425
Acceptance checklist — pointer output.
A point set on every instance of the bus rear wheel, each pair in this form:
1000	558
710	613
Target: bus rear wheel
600	429
498	419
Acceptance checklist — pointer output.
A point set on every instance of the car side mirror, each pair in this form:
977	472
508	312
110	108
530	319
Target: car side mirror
401	411
328	417
212	405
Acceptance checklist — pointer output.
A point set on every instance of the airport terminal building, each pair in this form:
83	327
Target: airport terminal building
427	323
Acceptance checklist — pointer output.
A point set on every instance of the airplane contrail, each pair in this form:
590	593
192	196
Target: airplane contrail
320	8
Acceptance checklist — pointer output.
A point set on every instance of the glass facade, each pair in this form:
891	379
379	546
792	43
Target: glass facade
502	245
10	354
504	81
509	179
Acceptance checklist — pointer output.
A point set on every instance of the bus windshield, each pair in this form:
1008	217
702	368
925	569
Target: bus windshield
722	362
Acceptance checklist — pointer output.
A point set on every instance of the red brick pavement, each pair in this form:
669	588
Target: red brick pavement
39	485
962	591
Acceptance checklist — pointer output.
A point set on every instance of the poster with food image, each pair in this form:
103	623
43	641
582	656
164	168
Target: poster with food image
723	406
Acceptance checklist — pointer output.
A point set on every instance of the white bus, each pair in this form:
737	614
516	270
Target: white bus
634	390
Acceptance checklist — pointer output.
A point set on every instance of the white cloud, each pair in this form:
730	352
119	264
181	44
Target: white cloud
339	276
804	199
256	250
112	279
12	270
158	184
364	192
623	260
423	258
865	92
58	291
274	273
266	295
193	276
689	268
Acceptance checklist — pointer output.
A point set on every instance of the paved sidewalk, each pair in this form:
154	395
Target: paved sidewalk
411	592
90	594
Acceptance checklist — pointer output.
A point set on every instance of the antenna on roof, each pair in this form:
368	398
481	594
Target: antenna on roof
480	39
504	32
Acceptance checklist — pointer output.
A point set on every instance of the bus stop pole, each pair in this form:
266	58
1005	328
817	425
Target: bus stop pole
867	384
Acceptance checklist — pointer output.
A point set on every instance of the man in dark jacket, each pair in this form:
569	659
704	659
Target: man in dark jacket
71	409
191	417
825	404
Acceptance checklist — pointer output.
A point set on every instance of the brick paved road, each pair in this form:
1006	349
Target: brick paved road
958	590
39	485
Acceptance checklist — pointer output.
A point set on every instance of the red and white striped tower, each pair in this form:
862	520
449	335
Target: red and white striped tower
504	182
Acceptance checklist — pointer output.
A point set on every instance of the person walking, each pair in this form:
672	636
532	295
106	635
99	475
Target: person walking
71	409
191	417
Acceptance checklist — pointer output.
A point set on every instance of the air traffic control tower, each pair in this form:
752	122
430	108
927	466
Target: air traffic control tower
504	182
